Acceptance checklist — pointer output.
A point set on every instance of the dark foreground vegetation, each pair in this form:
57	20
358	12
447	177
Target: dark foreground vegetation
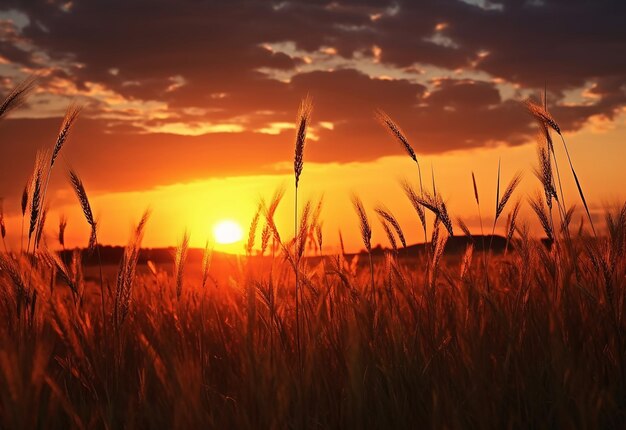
532	337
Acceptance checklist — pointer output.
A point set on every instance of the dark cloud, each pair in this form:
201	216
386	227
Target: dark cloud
209	55
464	93
529	42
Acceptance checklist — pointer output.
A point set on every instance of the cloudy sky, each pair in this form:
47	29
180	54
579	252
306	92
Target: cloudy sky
190	105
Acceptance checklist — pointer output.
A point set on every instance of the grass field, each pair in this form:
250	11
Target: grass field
532	337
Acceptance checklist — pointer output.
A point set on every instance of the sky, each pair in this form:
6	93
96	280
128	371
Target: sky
190	107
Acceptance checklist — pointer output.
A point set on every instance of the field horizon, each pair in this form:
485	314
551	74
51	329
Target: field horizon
381	337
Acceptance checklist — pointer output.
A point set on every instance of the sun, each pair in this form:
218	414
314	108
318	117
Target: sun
227	231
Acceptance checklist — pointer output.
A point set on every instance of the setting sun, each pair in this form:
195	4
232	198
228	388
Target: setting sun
227	232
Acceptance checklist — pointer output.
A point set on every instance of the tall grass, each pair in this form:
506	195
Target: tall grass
533	339
502	200
68	120
35	200
83	199
395	130
366	236
542	115
179	263
304	118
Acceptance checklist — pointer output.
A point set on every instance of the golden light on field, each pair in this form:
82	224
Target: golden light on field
227	232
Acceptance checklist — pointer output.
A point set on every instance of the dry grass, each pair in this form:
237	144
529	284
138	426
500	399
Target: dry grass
532	338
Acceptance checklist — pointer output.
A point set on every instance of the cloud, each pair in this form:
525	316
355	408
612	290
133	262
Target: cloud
450	72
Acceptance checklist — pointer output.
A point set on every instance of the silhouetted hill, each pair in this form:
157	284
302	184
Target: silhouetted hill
458	244
113	255
455	245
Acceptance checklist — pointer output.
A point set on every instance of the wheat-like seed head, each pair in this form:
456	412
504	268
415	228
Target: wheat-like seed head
464	227
70	116
76	270
55	261
538	207
315	215
79	189
567	219
179	263
268	212
545	135
253	228
279	193
341	245
17	97
40	226
512	220
24	199
36	192
445	218
318	235
388	216
206	263
11	267
395	130
304	118
475	189
318	211
466	262
366	230
415	202
541	114
271	225
433	203
498	186
93	239
440	245
508	192
62	227
152	268
265	238
389	233
303	231
127	271
276	235
142	224
544	174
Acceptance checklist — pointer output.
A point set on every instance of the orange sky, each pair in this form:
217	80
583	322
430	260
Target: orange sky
199	125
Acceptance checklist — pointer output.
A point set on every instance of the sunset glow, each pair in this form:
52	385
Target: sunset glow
208	132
